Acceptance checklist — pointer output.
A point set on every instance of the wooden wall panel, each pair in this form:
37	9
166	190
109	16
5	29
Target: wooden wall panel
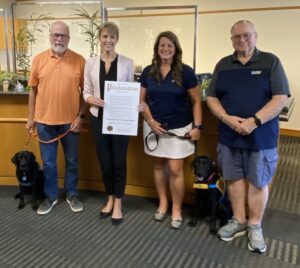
13	114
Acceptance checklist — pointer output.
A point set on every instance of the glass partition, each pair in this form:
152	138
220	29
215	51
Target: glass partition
31	28
5	46
5	52
139	27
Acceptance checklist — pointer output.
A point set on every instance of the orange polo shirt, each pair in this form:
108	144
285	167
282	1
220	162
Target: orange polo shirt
59	83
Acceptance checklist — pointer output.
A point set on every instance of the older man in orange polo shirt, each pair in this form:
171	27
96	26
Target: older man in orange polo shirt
55	108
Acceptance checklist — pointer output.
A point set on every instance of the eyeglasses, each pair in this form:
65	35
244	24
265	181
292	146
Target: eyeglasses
61	36
245	36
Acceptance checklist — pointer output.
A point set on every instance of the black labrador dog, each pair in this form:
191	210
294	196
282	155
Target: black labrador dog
211	199
30	178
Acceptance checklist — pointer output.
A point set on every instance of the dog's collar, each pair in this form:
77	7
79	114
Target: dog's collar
205	186
220	185
24	181
200	179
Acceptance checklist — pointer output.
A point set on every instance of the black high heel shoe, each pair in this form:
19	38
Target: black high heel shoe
104	215
116	222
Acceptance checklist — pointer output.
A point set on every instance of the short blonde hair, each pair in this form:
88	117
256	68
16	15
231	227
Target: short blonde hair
110	27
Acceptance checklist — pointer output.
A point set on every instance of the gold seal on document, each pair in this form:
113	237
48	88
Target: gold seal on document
109	128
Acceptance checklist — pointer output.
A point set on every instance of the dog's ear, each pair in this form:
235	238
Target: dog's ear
219	171
216	168
15	158
32	155
194	162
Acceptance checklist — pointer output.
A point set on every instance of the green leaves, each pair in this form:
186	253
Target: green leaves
6	76
89	28
26	38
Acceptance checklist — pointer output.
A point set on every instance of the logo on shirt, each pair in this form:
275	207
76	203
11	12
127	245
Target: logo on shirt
256	72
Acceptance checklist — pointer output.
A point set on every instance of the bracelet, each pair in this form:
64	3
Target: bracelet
222	116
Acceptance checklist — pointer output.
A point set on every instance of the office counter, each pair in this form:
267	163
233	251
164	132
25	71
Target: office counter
13	136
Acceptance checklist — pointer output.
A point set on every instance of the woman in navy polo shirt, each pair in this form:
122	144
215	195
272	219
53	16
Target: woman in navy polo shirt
172	110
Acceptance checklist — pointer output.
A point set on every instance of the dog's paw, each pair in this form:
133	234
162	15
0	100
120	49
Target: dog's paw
18	195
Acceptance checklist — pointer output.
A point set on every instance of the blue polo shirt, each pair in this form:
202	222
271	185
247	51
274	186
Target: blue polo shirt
170	103
243	90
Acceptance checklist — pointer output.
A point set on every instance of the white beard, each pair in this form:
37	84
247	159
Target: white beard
59	49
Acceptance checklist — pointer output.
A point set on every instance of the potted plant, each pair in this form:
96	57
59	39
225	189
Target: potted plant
204	80
6	79
26	38
90	28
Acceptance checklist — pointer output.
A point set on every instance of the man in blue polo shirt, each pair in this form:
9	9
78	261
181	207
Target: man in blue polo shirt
247	92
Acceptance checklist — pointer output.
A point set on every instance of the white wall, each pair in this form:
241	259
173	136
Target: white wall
278	32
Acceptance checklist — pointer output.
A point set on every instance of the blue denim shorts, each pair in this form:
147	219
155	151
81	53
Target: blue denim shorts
256	166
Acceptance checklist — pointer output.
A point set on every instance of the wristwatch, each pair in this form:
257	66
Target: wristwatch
82	115
198	126
257	121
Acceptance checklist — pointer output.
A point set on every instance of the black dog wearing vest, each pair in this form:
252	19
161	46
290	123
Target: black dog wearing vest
210	196
30	178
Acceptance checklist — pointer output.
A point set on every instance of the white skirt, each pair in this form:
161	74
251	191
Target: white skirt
167	146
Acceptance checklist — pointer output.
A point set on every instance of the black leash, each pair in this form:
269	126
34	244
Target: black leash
151	133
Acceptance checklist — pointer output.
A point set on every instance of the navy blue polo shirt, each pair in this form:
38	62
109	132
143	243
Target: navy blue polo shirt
170	103
243	90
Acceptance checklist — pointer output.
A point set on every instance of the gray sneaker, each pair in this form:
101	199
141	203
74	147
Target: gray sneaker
256	239
232	230
75	203
46	206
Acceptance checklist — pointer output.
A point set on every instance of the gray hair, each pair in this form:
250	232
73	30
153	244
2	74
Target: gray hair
241	22
62	24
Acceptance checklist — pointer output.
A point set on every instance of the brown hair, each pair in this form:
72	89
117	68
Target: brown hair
110	27
176	68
